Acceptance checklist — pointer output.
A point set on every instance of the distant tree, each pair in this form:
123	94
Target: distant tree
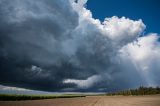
140	91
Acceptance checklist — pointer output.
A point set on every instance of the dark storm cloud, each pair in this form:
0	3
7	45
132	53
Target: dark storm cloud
38	34
56	45
31	33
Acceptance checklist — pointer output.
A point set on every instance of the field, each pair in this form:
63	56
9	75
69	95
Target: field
152	100
14	97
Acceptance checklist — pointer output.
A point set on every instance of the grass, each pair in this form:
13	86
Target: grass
14	97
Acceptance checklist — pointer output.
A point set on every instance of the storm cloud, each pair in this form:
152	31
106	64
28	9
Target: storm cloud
56	45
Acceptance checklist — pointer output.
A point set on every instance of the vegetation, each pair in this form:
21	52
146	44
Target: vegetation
140	91
13	97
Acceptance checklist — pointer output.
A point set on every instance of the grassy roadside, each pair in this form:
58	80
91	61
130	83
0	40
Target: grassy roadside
14	97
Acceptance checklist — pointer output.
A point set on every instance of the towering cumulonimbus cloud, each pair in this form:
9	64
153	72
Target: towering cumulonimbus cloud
56	45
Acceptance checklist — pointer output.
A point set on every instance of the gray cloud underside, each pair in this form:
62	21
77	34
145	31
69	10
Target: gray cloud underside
56	45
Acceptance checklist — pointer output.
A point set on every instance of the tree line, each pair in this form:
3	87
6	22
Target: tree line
139	91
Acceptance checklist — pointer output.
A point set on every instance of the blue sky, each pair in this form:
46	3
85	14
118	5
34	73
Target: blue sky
147	10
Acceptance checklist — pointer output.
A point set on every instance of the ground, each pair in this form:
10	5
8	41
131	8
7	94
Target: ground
90	101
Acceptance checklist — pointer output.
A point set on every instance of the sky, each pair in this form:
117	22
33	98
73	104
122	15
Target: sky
78	46
147	10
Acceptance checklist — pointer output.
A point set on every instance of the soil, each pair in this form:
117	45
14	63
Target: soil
90	101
